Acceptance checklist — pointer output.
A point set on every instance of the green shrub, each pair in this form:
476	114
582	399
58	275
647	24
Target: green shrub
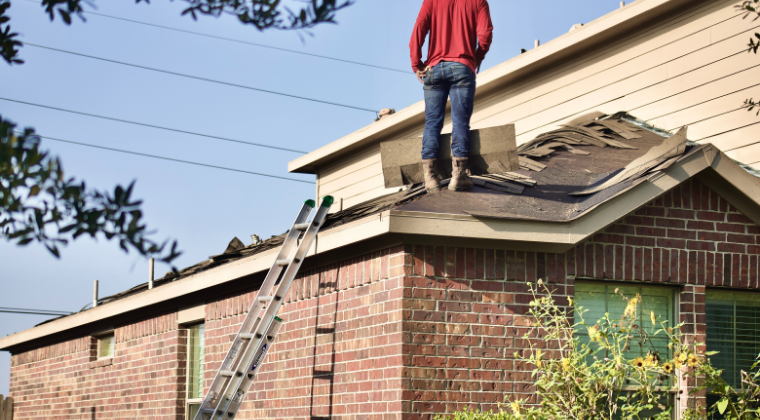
597	377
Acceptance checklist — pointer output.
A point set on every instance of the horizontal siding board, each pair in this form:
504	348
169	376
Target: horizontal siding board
747	154
721	124
736	138
706	110
368	195
352	178
353	163
692	97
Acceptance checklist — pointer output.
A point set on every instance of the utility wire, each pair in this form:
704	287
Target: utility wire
242	42
33	311
152	126
203	78
171	159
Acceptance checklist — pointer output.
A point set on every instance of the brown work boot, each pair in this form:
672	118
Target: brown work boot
460	179
432	175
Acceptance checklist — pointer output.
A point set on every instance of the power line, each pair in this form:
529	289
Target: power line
203	78
152	126
33	311
244	42
171	159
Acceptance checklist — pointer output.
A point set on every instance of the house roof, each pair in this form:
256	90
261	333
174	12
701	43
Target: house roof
555	52
553	206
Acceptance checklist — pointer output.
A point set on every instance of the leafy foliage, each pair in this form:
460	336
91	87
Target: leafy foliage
38	204
8	42
262	14
595	378
749	8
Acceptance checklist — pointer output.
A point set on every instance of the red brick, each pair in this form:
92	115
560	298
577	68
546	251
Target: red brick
470	263
510	265
639	220
736	268
589	253
647	264
701	246
571	262
609	262
729	227
753	249
629	263
451	262
701	225
580	260
419	257
719	272
670	223
640	241
530	266
666	265
638	267
682	234
657	265
461	264
622	229
619	267
609	238
729	247
541	266
710	268
599	260
499	265
480	264
681	214
490	268
671	243
520	266
711	216
743	239
711	236
740	218
440	261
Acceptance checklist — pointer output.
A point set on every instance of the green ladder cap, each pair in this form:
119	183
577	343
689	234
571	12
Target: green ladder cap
277	318
327	201
311	203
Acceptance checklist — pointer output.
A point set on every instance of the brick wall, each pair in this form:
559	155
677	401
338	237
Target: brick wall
145	379
465	308
339	351
404	333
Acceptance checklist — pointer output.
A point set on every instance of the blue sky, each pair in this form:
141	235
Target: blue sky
205	208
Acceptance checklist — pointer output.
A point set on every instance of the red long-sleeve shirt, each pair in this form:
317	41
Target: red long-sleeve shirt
460	30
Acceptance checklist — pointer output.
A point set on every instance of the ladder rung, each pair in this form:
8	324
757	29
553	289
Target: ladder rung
227	373
283	262
246	336
265	298
325	331
209	410
301	226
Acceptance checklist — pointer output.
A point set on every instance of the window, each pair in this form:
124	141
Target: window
598	298
733	330
194	369
105	346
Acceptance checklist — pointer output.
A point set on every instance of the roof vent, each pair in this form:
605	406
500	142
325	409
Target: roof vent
384	113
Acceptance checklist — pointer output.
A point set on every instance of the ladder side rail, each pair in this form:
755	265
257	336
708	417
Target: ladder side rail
251	321
233	385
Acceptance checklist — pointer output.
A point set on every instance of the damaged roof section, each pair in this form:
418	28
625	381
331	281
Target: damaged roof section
572	170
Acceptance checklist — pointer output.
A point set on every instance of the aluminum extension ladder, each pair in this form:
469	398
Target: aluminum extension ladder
257	333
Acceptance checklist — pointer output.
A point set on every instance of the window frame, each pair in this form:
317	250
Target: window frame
672	394
194	401
734	340
98	339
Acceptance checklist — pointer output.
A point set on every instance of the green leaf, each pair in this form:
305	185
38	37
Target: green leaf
722	405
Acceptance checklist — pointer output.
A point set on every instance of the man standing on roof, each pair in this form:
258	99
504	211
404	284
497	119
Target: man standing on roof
460	36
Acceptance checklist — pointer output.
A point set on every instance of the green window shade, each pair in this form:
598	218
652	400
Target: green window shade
733	330
598	299
195	361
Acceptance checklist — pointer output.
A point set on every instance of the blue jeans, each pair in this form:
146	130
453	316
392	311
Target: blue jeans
455	79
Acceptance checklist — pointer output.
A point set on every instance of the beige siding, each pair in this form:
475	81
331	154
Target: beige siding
691	69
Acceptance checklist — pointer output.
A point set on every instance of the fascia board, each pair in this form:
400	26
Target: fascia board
607	27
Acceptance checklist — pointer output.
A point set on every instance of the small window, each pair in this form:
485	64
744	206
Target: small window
598	299
733	330
195	356
105	346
